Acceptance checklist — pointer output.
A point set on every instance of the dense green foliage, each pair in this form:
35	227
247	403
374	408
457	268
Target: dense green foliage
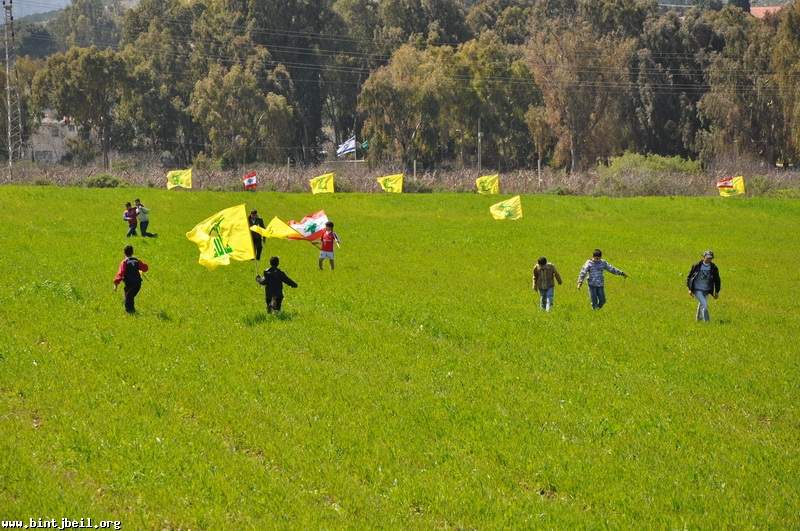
418	385
271	80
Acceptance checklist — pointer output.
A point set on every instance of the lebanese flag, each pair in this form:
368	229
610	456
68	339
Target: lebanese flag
250	181
310	227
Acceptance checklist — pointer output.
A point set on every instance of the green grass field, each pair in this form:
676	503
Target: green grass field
417	385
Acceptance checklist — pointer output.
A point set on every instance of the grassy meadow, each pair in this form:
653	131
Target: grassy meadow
417	386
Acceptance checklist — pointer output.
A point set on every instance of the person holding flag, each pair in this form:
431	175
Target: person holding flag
326	244
254	221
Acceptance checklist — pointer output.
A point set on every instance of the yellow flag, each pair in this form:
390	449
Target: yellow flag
392	183
508	209
181	178
322	184
276	229
488	184
223	237
729	186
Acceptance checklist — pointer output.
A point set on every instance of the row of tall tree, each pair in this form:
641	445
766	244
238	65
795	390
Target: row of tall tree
571	82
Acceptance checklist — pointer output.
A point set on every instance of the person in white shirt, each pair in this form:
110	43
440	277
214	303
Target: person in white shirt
144	219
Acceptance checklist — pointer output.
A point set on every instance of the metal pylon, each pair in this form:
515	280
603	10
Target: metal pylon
13	105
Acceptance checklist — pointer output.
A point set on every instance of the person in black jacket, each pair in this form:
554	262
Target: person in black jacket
273	281
258	239
703	280
130	271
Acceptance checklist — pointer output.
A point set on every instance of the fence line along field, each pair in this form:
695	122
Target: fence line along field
417	385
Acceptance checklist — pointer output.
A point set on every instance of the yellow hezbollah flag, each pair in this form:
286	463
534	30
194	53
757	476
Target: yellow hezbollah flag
729	186
508	209
179	178
276	229
322	184
488	184
223	237
392	183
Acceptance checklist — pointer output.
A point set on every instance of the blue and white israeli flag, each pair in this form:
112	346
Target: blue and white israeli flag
348	146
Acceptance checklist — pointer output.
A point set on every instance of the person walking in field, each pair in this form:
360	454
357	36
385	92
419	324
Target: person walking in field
594	268
544	277
326	244
258	240
130	271
703	280
143	216
273	281
129	216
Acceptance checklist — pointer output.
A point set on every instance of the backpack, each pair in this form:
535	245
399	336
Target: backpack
132	275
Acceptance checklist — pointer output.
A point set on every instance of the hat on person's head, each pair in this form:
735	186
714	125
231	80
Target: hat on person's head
708	253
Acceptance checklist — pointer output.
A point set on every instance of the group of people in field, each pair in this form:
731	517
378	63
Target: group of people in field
702	281
131	268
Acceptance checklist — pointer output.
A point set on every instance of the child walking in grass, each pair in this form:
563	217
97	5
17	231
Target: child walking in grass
326	244
130	272
544	277
273	281
129	216
593	268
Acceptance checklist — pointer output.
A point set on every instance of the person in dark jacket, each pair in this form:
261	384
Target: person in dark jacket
258	239
130	271
273	281
544	276
703	280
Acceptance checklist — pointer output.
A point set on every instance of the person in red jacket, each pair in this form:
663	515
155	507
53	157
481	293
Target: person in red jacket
326	244
130	272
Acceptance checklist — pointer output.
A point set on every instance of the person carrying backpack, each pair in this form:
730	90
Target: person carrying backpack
130	272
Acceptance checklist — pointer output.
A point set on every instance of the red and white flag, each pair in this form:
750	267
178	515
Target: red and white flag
310	227
250	181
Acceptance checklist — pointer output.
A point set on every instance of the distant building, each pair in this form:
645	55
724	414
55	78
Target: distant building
763	11
49	141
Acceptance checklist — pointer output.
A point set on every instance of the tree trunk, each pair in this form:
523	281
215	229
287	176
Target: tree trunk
572	155
104	143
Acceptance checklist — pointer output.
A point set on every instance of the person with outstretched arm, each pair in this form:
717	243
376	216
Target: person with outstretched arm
273	281
130	271
594	268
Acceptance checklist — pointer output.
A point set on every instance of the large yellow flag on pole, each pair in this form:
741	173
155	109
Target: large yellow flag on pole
488	184
182	178
276	228
322	184
508	209
223	237
392	183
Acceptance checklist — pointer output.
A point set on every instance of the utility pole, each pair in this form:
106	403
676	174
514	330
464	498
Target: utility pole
480	136
13	106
